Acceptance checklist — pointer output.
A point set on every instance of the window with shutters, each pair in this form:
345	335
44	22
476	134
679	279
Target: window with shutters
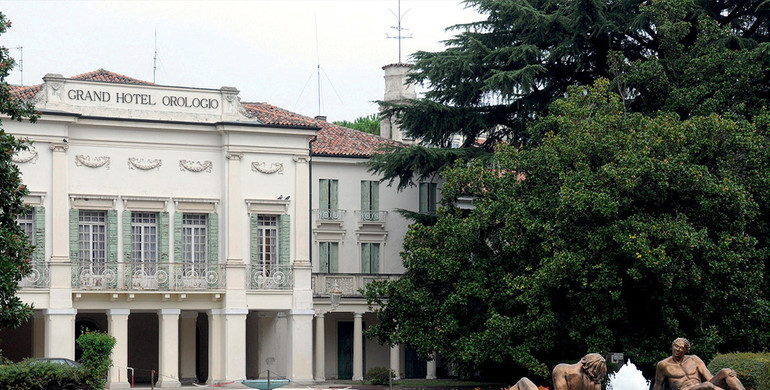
328	253
267	241
144	241
370	258
92	236
27	222
428	198
327	199
195	242
370	200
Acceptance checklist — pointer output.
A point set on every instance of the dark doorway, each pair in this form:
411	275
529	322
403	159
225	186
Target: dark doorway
345	350
413	366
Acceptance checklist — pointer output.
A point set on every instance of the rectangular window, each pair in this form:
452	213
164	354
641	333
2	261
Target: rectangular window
428	198
267	241
328	253
370	200
144	241
27	222
327	199
195	242
370	258
92	236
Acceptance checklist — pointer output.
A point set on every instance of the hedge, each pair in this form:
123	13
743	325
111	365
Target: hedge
753	369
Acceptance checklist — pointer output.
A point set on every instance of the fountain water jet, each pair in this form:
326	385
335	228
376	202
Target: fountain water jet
628	378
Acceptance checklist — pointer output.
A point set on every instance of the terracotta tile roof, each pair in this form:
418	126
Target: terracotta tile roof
110	77
24	93
333	140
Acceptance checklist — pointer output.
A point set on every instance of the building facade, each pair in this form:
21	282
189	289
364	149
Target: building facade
203	233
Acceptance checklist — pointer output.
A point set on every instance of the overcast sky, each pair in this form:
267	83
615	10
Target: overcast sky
268	49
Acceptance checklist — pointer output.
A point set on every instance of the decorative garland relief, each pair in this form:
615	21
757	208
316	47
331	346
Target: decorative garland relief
195	166
274	167
143	164
92	162
25	156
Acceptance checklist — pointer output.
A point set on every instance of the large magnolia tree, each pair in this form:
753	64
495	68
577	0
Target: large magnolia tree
15	248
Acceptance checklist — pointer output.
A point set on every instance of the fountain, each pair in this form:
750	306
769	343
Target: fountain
628	378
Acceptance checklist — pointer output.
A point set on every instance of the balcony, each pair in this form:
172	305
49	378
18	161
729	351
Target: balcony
269	277
37	277
349	284
371	218
148	276
329	218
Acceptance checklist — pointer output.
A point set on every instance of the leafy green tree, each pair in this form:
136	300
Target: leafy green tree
617	232
15	249
497	75
368	124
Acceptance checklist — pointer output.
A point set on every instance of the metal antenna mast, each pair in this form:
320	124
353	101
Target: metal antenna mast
21	62
398	28
318	65
155	58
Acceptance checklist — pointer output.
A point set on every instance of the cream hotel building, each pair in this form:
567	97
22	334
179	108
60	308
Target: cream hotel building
207	235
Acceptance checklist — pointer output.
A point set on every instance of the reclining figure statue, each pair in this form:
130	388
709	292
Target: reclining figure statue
687	372
587	374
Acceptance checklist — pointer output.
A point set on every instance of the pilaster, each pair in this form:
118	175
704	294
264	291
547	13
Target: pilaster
320	348
60	333
118	328
358	347
300	337
216	349
168	348
234	343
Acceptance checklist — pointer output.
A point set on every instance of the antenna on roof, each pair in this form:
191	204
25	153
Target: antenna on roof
318	64
398	28
21	62
155	57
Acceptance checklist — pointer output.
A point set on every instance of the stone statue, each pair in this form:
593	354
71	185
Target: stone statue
587	374
523	384
687	372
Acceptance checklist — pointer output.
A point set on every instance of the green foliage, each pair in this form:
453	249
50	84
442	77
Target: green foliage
96	358
616	232
36	375
368	124
379	375
753	369
15	249
499	74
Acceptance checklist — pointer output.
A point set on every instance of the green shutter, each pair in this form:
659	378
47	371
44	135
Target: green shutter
323	194
254	239
127	247
375	256
333	256
432	199
366	201
163	221
74	236
333	188
39	235
423	197
323	257
284	239
178	244
112	236
375	196
213	230
365	258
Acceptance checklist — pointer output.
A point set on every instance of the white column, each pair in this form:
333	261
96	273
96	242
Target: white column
60	274
216	349
301	208
300	338
358	347
117	325
187	344
60	333
395	361
234	208
431	368
38	334
235	344
168	354
320	348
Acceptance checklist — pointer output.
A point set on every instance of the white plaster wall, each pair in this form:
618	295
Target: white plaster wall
350	172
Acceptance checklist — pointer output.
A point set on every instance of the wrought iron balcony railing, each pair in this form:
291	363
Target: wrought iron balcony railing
330	214
148	276
269	277
371	215
37	277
